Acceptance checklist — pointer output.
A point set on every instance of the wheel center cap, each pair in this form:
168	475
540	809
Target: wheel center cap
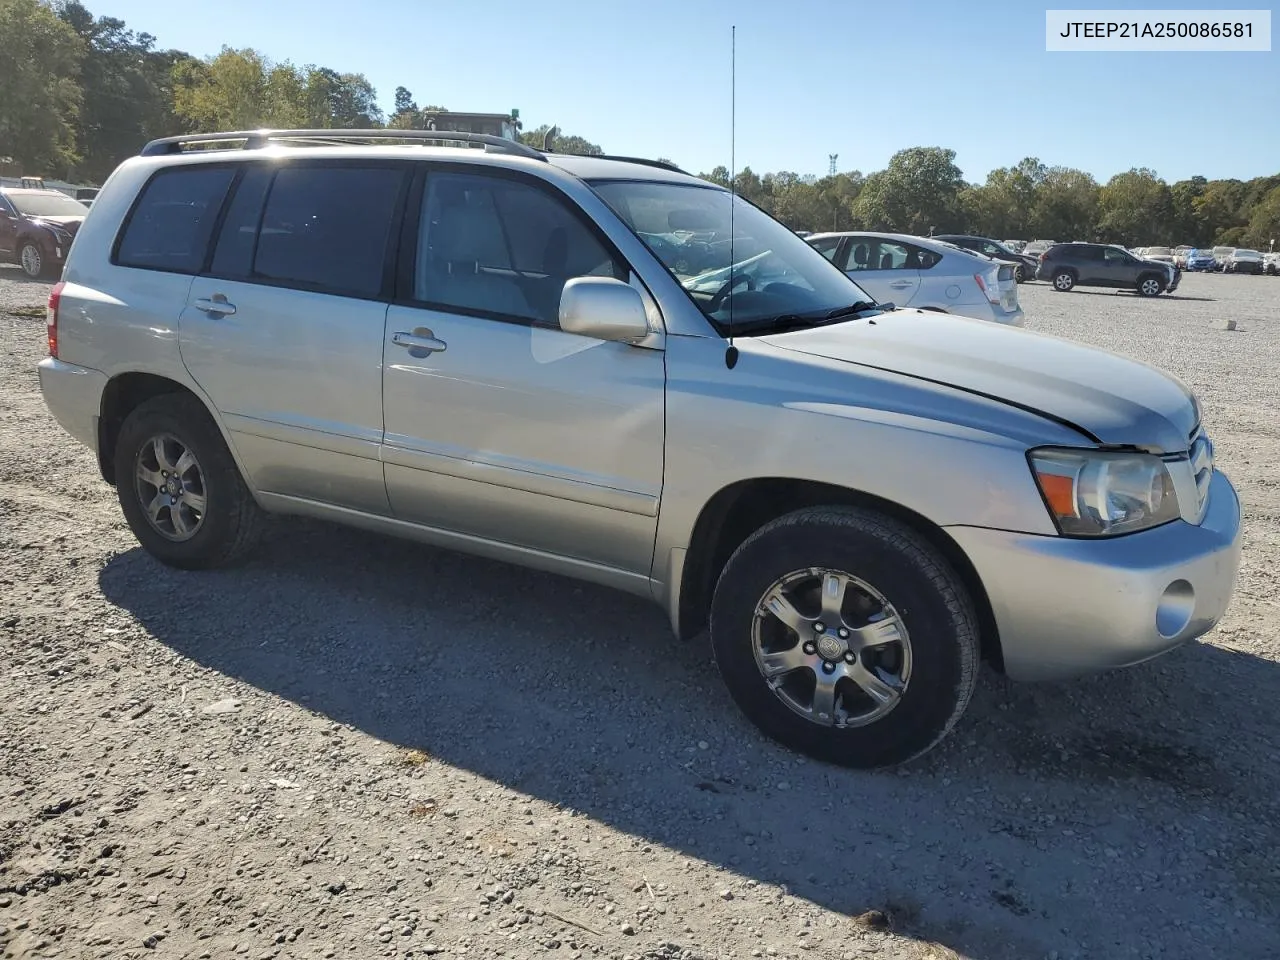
830	647
173	487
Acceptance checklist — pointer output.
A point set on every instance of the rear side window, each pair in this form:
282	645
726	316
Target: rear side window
170	225
326	228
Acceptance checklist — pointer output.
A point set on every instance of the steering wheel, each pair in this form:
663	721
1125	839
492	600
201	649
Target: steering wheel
718	299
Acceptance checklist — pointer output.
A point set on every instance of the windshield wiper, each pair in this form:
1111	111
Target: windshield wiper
862	306
793	321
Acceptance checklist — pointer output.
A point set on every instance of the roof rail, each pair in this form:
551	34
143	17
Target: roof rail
661	164
256	139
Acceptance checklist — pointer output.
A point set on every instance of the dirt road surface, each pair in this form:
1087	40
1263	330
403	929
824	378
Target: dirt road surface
355	747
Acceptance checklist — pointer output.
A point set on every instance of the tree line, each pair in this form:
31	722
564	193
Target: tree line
79	94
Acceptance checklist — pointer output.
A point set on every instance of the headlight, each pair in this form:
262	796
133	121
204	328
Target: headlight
1093	493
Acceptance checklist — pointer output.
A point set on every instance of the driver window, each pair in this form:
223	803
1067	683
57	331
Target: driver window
502	248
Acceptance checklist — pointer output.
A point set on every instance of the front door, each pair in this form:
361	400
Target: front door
283	331
499	425
8	228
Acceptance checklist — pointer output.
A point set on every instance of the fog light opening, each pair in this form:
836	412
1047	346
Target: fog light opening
1173	613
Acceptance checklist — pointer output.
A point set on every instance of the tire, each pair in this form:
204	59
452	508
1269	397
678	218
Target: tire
1020	273
1149	285
216	521
32	260
1064	281
929	662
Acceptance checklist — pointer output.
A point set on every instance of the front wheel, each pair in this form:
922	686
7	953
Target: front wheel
1150	286
32	260
180	489
846	636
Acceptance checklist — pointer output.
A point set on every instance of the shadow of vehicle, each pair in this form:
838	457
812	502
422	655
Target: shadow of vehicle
1117	798
1120	292
13	272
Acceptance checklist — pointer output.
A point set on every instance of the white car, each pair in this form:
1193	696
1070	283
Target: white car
1222	256
1271	264
925	274
1163	254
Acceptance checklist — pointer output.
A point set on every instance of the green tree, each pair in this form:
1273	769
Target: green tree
1187	225
1066	206
1219	208
41	98
1264	225
918	191
128	93
1135	207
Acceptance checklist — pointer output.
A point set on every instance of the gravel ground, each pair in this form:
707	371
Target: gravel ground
362	748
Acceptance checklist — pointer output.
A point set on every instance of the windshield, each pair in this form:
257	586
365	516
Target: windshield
1159	252
47	205
758	274
1250	254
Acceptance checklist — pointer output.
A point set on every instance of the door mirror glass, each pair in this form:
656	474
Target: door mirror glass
603	308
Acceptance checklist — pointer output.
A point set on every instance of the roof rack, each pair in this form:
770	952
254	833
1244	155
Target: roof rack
256	139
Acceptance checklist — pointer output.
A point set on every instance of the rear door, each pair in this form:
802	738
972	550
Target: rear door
891	266
283	327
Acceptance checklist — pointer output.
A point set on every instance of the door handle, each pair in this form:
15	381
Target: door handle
901	284
216	305
419	343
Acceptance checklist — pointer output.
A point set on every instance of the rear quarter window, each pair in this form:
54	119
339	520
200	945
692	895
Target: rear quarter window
173	218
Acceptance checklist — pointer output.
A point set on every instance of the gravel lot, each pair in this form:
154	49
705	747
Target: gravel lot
355	747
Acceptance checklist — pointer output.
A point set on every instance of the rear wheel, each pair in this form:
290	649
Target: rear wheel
1150	286
1064	281
180	489
846	636
1020	273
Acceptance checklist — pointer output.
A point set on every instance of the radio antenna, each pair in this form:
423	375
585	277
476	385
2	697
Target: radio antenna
731	354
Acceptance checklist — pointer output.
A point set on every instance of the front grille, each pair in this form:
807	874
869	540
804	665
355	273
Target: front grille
1201	457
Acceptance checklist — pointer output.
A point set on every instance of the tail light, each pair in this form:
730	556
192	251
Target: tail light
989	285
55	299
1044	256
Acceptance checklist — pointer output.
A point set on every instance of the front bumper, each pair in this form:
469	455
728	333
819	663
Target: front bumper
1177	279
1067	608
1245	266
73	395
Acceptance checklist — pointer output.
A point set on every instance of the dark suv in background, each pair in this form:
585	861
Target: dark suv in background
1024	267
1068	265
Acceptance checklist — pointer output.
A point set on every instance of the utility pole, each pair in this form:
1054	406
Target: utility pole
835	207
831	169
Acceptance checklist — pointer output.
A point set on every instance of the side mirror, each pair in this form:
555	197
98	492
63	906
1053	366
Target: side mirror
603	308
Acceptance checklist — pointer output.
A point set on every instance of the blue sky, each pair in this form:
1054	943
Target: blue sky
859	79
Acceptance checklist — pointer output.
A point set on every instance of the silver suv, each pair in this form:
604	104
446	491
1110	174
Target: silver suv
610	369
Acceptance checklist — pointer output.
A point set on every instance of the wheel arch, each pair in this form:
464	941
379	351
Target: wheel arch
738	510
122	395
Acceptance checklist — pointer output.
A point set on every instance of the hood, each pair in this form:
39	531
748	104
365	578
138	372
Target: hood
1112	399
69	224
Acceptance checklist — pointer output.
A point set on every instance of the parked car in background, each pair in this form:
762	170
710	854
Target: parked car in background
1015	245
856	504
1163	254
1271	264
1180	256
37	227
1243	260
1037	247
1024	267
1201	261
925	273
1071	265
1222	256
